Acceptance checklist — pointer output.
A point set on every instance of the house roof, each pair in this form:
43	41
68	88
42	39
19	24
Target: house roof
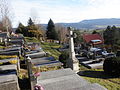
90	37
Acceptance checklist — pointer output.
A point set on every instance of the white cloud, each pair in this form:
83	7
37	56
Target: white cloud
64	10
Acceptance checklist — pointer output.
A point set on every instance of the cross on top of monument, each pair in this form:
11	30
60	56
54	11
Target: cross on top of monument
74	35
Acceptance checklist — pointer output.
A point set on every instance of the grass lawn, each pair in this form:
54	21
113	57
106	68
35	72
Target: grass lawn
51	48
31	39
98	76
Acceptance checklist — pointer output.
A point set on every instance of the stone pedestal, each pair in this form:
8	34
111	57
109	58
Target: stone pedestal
72	62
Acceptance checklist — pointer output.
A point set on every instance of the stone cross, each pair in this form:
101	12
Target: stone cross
72	62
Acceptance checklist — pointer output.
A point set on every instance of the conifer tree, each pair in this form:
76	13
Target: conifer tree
51	32
30	22
21	29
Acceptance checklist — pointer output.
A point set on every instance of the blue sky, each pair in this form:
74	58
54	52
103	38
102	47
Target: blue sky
63	10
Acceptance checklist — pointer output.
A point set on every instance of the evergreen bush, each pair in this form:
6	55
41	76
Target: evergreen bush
111	66
63	57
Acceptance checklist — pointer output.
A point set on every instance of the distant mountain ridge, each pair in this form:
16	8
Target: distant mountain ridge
93	23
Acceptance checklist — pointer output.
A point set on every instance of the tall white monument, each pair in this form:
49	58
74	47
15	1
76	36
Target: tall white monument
72	62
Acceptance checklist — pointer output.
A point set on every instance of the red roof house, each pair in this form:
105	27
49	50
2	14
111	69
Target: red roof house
93	38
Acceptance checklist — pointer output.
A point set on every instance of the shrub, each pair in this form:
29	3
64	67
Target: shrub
111	66
63	57
118	53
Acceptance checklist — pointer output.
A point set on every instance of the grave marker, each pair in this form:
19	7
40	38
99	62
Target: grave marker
72	62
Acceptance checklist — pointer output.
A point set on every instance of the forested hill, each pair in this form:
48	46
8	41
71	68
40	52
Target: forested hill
93	23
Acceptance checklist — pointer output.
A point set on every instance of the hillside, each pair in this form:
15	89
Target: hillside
93	23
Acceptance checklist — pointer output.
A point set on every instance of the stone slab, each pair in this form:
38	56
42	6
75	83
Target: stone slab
49	64
42	60
8	67
89	64
37	55
63	83
55	74
10	49
97	65
15	41
71	78
10	53
9	82
65	79
10	86
7	60
8	78
94	86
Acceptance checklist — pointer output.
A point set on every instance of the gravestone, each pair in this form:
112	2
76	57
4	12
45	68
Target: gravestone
72	62
94	64
37	54
46	61
65	79
8	77
9	82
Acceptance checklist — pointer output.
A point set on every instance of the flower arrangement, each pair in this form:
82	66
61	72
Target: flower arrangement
13	61
38	87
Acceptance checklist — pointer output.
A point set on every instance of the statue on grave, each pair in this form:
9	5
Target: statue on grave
72	62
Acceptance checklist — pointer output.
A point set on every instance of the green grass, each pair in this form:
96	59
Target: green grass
1	47
51	48
7	56
31	39
98	76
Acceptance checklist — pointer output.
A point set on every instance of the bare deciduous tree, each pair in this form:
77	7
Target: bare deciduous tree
5	15
62	32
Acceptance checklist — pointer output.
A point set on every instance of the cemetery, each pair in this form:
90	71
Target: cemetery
35	58
74	53
30	60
